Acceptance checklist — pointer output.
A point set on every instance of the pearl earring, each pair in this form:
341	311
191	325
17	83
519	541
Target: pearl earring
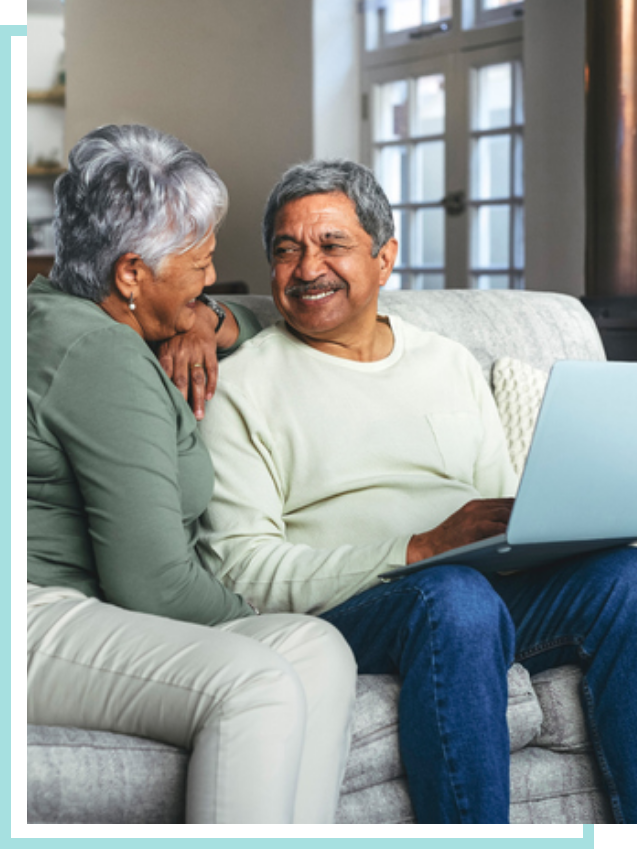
131	302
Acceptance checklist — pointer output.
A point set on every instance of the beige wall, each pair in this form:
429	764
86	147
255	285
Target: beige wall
232	78
337	98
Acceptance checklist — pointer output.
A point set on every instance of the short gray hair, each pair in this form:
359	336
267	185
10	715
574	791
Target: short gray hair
324	176
134	189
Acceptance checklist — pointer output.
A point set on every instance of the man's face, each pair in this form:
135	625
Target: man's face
325	281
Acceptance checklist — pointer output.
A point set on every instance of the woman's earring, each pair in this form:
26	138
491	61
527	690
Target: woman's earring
131	302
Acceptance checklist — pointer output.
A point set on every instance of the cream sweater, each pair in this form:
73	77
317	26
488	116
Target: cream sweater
325	467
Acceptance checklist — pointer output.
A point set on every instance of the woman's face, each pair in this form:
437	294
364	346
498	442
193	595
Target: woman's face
165	304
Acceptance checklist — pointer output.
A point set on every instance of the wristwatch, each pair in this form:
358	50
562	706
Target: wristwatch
216	307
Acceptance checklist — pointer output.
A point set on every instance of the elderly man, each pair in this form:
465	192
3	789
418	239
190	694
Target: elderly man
346	442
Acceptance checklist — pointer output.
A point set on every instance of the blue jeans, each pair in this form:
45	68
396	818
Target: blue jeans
451	634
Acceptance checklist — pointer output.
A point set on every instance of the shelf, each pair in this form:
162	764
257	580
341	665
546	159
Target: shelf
45	170
56	95
39	262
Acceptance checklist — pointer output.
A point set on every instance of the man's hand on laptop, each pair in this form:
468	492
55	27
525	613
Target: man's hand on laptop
477	520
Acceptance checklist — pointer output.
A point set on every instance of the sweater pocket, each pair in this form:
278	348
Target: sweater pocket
458	436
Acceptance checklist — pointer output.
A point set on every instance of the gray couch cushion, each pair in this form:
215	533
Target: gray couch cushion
563	721
377	803
559	786
374	787
548	787
78	776
524	713
537	327
545	788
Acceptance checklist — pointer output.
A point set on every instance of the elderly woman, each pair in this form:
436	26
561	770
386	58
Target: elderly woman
127	630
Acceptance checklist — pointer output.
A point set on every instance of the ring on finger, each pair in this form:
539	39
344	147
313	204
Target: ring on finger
196	365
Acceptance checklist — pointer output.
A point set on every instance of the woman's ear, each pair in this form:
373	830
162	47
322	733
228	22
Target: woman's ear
128	273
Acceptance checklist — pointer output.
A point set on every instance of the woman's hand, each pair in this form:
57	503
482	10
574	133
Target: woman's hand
190	359
477	520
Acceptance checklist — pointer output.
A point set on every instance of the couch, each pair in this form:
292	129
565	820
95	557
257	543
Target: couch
84	776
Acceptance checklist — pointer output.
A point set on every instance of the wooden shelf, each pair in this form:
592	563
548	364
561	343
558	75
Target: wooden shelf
55	96
39	262
45	170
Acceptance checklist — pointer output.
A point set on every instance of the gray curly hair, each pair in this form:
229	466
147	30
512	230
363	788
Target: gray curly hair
129	188
323	176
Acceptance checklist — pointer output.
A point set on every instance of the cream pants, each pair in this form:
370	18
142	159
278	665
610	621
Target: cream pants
263	703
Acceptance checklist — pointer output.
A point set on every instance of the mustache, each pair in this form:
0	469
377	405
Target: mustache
315	286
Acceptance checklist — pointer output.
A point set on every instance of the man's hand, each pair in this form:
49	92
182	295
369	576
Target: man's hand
476	520
190	360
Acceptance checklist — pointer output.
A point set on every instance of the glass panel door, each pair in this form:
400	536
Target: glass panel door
390	23
408	154
490	12
496	4
409	14
445	139
403	14
496	178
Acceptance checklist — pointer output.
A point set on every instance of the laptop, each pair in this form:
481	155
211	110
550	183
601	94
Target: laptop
578	490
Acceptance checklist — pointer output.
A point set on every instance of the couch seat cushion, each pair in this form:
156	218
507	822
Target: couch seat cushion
563	722
551	787
374	755
78	776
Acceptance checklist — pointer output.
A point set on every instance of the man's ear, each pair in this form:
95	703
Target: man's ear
129	272
387	256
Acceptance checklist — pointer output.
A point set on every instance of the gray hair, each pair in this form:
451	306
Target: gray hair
132	189
324	176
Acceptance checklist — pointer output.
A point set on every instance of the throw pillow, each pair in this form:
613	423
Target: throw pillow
518	389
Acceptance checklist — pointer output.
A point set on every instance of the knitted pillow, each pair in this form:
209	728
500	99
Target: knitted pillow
518	389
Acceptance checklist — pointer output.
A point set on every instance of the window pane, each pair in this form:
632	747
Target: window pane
493	97
391	113
428	281
396	282
519	93
372	34
429	238
429	178
491	167
518	167
490	237
496	4
518	237
403	14
437	10
430	105
392	171
490	281
401	225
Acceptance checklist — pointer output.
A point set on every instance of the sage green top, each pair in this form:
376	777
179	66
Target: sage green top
117	473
